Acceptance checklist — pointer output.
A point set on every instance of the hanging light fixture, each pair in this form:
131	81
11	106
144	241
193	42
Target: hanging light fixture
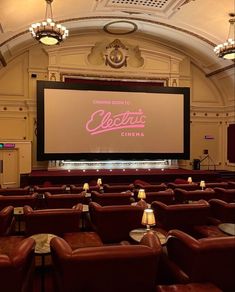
227	49
48	32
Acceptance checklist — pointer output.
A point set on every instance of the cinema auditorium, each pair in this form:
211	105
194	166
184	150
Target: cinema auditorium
117	138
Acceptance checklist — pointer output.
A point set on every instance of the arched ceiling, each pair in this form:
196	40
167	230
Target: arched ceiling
191	26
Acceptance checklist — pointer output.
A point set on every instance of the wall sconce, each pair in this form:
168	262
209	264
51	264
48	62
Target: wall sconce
148	218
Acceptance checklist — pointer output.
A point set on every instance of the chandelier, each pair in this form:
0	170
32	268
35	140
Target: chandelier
226	50
48	32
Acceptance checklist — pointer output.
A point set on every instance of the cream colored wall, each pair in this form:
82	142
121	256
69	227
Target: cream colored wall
212	98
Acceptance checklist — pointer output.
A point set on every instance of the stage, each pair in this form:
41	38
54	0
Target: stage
38	177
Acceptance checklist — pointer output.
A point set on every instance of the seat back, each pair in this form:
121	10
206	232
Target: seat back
51	189
227	195
18	201
117	188
107	199
182	196
16	269
181	216
56	201
113	223
167	197
15	191
6	220
204	260
184	186
108	268
223	211
55	221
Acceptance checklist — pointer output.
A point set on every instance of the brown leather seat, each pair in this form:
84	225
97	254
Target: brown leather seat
108	268
55	221
227	195
167	197
15	191
184	186
184	196
53	189
55	201
16	267
18	200
203	260
76	189
222	211
106	199
113	223
6	220
181	216
117	188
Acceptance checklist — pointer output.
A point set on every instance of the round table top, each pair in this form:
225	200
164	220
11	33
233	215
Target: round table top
137	234
228	228
18	211
42	242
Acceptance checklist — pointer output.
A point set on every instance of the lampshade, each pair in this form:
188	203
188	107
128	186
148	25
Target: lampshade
141	194
99	181
190	180
86	186
202	184
48	32
226	50
148	218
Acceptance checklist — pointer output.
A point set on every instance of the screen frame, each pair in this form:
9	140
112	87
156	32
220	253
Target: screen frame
101	85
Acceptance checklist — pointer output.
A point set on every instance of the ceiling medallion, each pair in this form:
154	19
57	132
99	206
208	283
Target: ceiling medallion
116	54
120	27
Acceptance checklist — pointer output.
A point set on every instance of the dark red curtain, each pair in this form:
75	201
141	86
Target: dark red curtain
231	143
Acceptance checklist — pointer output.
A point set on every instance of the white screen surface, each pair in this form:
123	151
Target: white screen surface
86	121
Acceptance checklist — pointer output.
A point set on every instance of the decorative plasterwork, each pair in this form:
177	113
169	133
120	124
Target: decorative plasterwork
115	55
160	8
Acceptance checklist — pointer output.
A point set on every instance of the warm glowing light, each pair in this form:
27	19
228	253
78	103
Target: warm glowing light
148	218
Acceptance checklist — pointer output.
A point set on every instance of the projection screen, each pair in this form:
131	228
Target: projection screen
108	121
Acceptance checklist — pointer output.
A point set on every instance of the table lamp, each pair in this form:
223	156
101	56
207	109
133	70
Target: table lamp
202	184
86	187
148	218
141	194
99	183
190	180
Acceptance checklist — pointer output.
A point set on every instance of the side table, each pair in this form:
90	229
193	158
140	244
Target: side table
42	248
137	234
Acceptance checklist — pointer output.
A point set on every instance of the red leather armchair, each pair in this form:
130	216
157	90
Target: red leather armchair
106	199
108	268
6	220
204	260
117	188
167	197
18	201
181	216
53	189
113	223
55	221
55	201
76	189
16	268
222	211
150	187
184	196
15	191
184	186
227	195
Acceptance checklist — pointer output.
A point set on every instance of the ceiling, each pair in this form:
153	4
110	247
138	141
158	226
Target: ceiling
190	26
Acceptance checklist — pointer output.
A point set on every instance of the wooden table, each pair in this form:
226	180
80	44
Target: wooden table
18	214
228	228
137	234
42	248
